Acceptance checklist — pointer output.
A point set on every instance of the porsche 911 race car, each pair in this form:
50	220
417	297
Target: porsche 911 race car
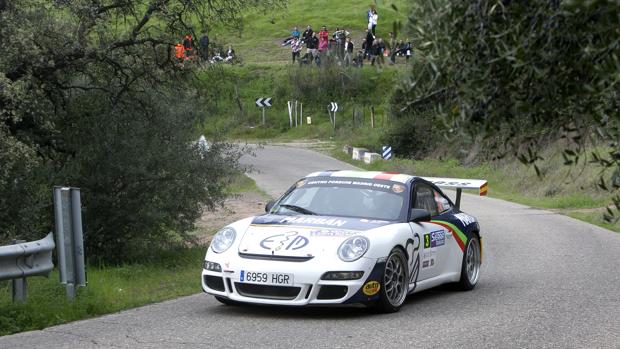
339	237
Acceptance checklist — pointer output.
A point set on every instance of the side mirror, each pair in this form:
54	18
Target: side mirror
420	215
269	205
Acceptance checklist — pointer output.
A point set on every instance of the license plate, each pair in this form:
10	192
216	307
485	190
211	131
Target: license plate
266	278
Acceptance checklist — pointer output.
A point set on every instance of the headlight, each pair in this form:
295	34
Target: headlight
223	240
353	248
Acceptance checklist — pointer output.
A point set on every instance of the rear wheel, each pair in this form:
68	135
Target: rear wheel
395	283
470	270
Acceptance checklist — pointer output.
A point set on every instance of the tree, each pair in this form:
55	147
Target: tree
510	77
91	96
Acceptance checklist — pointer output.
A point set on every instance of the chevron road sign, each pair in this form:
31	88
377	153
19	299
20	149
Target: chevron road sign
263	102
386	152
333	107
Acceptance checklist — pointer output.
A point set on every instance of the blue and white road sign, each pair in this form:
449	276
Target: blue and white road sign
386	154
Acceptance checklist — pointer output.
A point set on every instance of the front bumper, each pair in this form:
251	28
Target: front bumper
307	287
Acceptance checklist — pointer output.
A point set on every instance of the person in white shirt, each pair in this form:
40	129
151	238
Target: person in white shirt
373	21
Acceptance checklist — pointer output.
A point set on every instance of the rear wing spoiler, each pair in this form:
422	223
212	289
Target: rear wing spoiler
459	184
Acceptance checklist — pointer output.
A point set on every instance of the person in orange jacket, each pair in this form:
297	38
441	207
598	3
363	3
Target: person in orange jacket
179	51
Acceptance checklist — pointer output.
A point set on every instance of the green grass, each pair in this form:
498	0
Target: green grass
566	190
241	183
260	40
241	119
168	274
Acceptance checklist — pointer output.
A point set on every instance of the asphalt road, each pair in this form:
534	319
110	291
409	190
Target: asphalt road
548	281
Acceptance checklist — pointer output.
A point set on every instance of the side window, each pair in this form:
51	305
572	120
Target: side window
443	204
425	199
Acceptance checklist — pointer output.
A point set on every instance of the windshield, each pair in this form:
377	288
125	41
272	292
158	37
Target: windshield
347	197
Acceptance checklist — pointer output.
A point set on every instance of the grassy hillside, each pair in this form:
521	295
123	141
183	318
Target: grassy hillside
236	115
260	40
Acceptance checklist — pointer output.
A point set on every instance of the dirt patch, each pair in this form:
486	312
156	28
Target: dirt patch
237	207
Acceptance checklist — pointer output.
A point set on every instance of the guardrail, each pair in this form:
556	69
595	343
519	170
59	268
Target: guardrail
26	259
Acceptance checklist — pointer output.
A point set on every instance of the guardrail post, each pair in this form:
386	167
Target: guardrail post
19	286
68	219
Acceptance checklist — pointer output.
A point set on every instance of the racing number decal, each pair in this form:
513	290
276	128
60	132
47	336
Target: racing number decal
427	240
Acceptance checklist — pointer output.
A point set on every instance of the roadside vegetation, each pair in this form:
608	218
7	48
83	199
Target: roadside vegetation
144	278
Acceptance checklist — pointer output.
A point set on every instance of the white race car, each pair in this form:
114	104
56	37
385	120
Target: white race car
340	237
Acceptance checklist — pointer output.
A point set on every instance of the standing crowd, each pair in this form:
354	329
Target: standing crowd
185	51
340	46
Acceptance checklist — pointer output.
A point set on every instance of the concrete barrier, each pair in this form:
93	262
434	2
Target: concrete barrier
358	153
369	158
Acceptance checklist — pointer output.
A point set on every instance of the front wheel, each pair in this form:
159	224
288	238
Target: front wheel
395	283
470	270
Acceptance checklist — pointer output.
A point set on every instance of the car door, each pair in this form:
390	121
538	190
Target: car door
433	251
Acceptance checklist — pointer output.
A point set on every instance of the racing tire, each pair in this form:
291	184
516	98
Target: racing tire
226	301
395	283
470	268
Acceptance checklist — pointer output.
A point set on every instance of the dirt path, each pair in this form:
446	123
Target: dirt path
236	207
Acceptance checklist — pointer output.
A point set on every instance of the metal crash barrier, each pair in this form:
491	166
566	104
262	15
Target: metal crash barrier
26	259
69	235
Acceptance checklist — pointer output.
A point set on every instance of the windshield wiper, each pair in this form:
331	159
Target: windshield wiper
297	209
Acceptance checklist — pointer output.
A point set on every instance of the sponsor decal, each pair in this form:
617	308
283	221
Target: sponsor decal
465	218
287	241
312	220
373	221
349	182
460	237
398	188
437	238
317	222
425	264
371	288
332	233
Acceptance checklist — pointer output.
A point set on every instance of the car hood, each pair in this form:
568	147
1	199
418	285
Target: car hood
300	236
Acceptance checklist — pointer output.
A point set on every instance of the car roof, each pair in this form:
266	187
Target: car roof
390	176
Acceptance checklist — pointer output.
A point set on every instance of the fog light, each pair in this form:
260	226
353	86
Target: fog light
342	275
212	266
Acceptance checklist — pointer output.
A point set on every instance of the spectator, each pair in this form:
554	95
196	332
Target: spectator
392	42
396	51
408	49
340	36
370	38
348	51
382	51
307	35
204	47
369	15
374	19
296	48
188	45
289	40
375	51
179	52
312	44
230	54
217	58
323	39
